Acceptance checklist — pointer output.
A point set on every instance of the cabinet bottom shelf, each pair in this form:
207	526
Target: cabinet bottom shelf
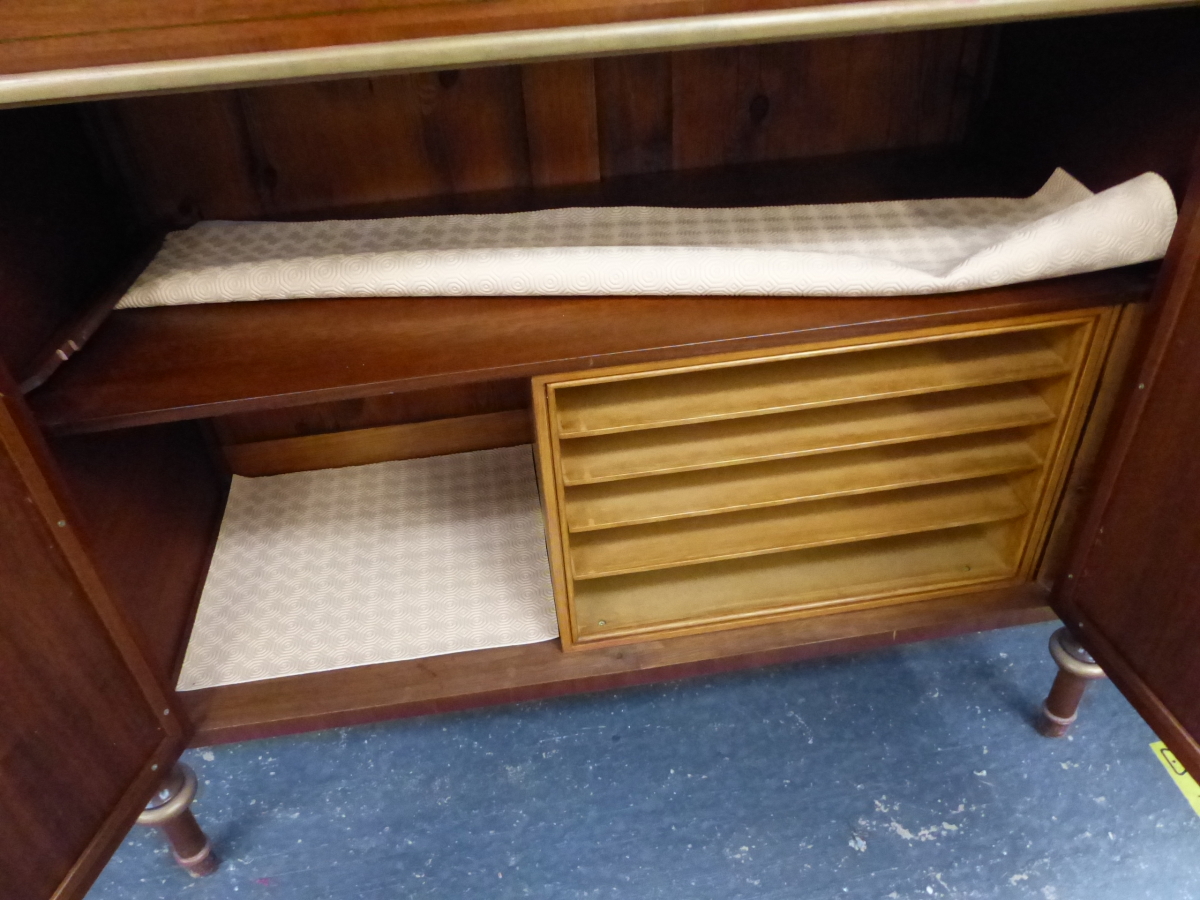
477	678
322	570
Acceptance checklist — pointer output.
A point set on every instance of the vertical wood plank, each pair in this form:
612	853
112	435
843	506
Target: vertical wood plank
339	143
190	155
709	118
866	96
560	119
294	149
941	53
634	102
474	128
972	78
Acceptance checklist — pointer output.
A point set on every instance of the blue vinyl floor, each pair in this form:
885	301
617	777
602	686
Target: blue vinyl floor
904	773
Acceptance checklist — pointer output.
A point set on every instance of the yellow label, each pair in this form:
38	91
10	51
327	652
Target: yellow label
1185	782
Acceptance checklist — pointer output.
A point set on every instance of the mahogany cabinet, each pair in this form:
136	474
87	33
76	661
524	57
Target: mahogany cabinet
120	430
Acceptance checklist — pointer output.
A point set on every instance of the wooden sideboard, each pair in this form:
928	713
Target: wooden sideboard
120	430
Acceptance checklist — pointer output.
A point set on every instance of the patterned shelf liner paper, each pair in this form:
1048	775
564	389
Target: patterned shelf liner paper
851	249
398	560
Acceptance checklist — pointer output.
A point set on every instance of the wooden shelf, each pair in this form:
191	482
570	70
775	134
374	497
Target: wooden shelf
805	383
722	591
509	674
157	365
176	44
638	501
785	435
778	529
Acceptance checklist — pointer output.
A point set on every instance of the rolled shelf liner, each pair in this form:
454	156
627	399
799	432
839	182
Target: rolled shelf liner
887	248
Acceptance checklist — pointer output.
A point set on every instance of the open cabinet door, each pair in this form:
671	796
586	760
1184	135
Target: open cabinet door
85	730
1133	596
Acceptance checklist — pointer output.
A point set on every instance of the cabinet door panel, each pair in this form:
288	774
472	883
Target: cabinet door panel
84	729
1134	591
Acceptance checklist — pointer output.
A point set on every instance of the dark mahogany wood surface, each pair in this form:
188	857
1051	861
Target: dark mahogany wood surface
285	150
172	363
57	34
1134	594
64	230
509	674
454	402
81	722
151	501
1123	99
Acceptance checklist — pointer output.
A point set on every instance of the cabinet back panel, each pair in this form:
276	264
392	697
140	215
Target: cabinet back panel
64	231
290	149
1105	97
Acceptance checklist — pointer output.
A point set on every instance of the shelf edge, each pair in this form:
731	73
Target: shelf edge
535	45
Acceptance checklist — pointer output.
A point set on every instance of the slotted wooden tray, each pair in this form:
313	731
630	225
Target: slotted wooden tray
730	490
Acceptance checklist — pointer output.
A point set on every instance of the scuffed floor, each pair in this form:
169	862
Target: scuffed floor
905	773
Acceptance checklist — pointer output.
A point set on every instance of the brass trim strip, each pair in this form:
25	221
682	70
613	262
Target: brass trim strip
458	51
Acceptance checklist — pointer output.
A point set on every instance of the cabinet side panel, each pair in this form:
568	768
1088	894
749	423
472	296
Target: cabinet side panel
64	232
1134	590
78	736
152	500
1105	97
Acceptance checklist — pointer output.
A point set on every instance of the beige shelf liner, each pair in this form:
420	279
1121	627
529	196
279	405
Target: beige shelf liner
346	567
852	249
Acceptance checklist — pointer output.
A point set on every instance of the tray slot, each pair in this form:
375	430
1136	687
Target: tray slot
732	442
775	529
665	497
731	589
735	391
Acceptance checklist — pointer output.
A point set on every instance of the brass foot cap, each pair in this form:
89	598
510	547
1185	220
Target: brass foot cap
1052	726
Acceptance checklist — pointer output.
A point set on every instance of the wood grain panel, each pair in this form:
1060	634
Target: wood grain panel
86	724
287	150
561	123
712	120
633	99
849	95
187	156
166	364
371	445
340	143
474	126
1131	592
151	502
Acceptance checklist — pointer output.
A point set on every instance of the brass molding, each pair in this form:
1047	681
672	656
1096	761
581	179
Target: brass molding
537	45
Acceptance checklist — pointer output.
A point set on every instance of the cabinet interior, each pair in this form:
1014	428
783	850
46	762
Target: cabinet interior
149	420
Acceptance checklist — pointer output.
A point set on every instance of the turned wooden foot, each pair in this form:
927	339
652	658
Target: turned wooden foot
1075	669
169	811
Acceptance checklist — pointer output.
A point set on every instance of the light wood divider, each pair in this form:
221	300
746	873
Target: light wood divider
704	494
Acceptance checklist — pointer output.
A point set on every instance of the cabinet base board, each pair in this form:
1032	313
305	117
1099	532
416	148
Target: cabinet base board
534	671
